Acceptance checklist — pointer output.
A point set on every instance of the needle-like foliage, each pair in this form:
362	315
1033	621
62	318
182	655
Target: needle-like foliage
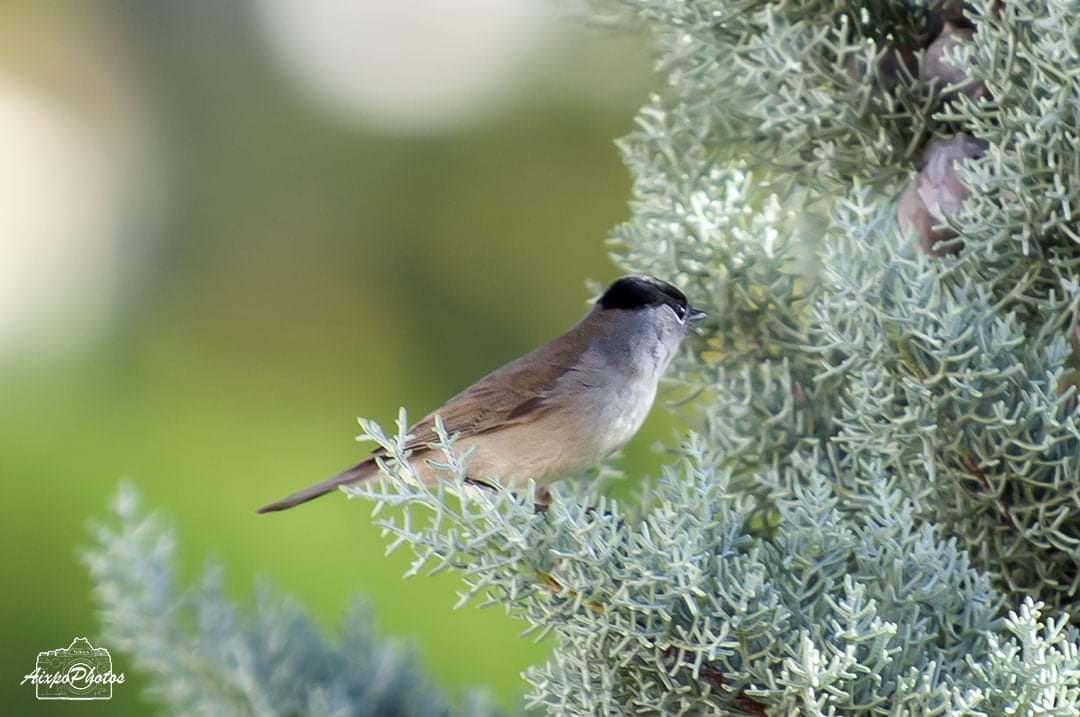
203	655
943	361
846	605
888	453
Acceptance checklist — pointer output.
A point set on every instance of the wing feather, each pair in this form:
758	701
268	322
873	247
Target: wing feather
518	393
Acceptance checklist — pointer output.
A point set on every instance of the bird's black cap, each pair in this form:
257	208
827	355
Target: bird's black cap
635	292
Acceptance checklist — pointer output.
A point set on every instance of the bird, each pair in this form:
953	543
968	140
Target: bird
557	410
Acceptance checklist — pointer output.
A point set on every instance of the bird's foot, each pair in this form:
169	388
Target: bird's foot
541	501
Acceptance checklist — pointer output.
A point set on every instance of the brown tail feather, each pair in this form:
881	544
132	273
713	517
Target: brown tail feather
353	475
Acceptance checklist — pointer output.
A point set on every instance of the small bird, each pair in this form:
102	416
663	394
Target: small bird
564	407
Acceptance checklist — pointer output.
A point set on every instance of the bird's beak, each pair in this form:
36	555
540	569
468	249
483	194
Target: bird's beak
696	314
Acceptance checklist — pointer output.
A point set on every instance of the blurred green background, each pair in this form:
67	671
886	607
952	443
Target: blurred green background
228	228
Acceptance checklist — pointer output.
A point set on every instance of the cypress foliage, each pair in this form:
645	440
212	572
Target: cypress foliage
204	655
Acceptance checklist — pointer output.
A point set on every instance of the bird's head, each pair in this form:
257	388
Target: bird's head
649	304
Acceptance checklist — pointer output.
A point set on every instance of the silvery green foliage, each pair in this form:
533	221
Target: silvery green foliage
848	607
205	656
1007	460
793	82
952	378
883	432
955	397
737	244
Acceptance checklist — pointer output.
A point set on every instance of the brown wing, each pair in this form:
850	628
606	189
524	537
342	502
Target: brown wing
515	394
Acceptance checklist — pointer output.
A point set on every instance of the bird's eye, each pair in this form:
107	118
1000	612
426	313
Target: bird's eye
680	311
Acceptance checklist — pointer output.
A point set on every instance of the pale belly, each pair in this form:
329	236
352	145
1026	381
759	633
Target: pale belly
602	411
558	444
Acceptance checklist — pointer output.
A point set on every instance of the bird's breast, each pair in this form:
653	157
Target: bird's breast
595	419
623	413
612	404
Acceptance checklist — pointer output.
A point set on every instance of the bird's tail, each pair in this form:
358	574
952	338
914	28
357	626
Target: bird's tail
355	474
